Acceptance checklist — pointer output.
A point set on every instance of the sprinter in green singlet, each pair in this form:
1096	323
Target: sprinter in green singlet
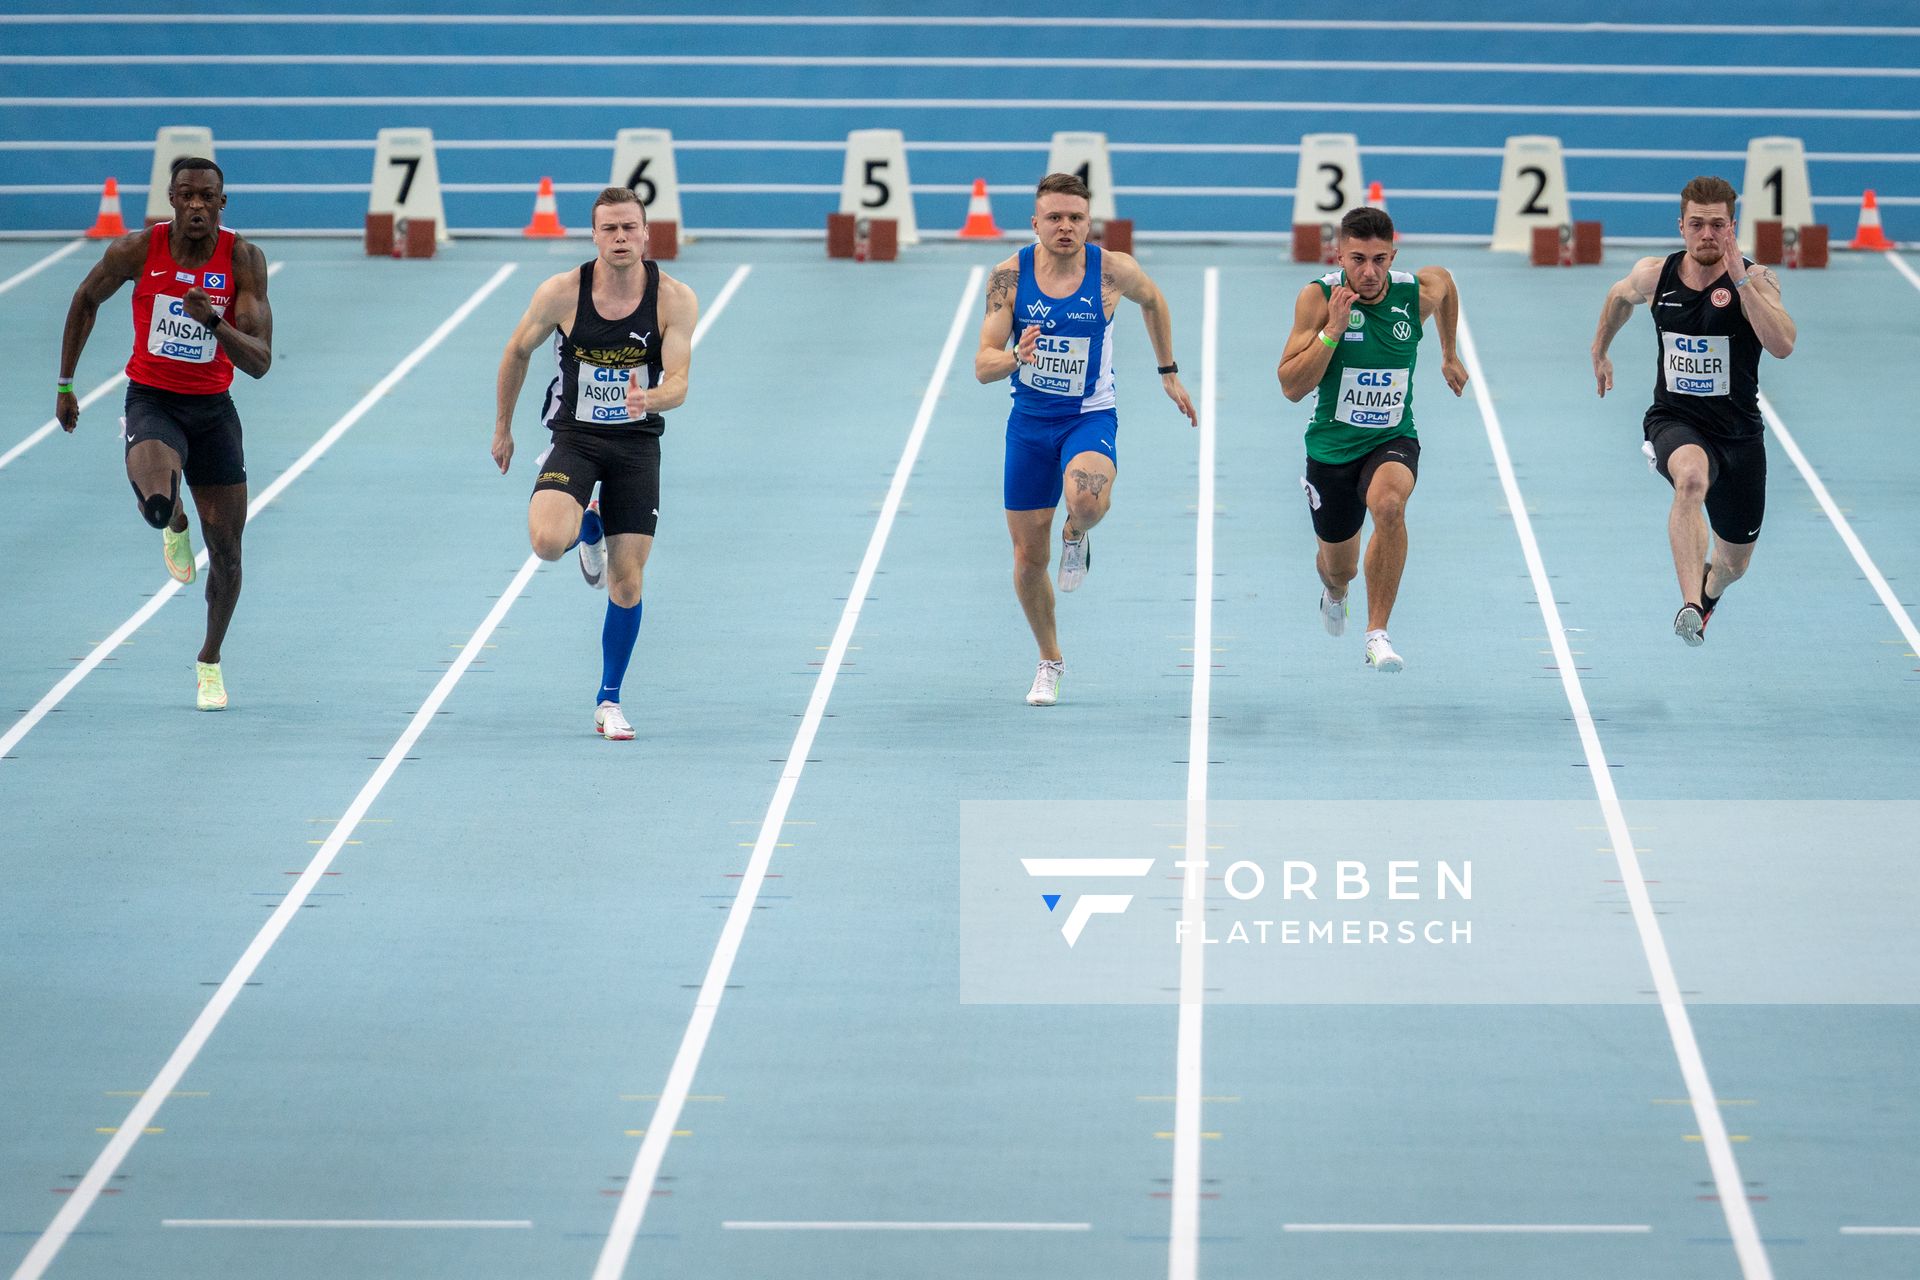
1356	332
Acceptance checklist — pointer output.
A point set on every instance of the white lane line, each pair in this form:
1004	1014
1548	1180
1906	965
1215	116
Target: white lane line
1771	111
796	20
1880	1231
55	695
1477	1228
938	61
411	1224
907	1226
1727	1182
1901	618
1900	264
29	273
686	1060
51	425
48	1246
1183	1247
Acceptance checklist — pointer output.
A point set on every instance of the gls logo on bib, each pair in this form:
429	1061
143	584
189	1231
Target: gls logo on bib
1371	397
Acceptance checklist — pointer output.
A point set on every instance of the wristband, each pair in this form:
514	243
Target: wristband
1331	344
1166	369
64	385
1741	283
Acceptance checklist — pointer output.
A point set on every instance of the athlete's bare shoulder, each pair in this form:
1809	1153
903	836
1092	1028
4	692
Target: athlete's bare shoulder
676	301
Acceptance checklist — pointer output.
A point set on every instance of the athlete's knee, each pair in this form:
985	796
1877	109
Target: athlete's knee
624	588
1030	558
223	547
1389	509
1086	510
1690	484
157	509
550	544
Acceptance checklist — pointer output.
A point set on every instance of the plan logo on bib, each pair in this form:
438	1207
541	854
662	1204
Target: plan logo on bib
1087	905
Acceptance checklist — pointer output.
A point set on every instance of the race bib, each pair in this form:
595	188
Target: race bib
1695	366
1059	367
600	394
1372	397
175	335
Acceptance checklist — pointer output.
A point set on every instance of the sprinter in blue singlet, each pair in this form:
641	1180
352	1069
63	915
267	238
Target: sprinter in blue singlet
1049	329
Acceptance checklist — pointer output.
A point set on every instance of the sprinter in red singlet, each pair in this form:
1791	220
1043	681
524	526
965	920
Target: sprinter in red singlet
199	312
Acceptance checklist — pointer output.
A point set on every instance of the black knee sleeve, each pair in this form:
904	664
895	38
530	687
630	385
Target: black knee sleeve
157	508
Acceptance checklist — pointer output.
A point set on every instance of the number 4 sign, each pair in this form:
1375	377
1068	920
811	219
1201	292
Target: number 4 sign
874	182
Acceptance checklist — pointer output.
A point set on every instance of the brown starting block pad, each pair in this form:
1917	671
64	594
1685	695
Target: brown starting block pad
1589	245
1545	246
840	231
1313	242
1813	246
663	241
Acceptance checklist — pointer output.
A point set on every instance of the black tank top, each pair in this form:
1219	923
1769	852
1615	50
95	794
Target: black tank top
598	358
1708	362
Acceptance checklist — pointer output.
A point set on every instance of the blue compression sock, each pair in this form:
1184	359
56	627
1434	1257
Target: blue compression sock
617	638
590	529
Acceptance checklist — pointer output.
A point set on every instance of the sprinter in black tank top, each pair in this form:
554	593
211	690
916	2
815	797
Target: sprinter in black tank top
1713	314
622	331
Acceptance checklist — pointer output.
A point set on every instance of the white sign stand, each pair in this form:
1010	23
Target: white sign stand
1533	192
170	144
1085	155
406	178
1776	187
874	182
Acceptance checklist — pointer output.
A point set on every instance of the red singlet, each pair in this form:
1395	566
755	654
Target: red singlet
172	350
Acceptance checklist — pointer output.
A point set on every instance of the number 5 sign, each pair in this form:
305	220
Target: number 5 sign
874	182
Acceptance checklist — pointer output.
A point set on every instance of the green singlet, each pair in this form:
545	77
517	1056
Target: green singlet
1366	394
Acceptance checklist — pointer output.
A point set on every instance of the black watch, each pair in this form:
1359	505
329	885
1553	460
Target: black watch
1166	369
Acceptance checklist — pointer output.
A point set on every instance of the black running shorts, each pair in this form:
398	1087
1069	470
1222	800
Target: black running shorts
204	430
625	463
1736	475
1337	491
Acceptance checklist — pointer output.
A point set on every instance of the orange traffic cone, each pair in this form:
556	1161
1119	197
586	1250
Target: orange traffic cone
1377	199
546	214
979	224
109	223
1869	236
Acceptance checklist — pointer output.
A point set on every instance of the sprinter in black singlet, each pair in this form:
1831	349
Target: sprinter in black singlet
623	338
1713	313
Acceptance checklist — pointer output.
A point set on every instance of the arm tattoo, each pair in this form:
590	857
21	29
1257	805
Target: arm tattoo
1000	289
1088	482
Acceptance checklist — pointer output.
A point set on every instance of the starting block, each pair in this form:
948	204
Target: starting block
1315	242
862	239
1775	245
1115	234
1567	245
401	238
663	240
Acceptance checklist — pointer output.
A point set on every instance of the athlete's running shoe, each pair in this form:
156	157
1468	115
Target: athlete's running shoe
593	556
1690	624
1333	614
1046	684
610	723
1380	654
1076	557
177	548
212	695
